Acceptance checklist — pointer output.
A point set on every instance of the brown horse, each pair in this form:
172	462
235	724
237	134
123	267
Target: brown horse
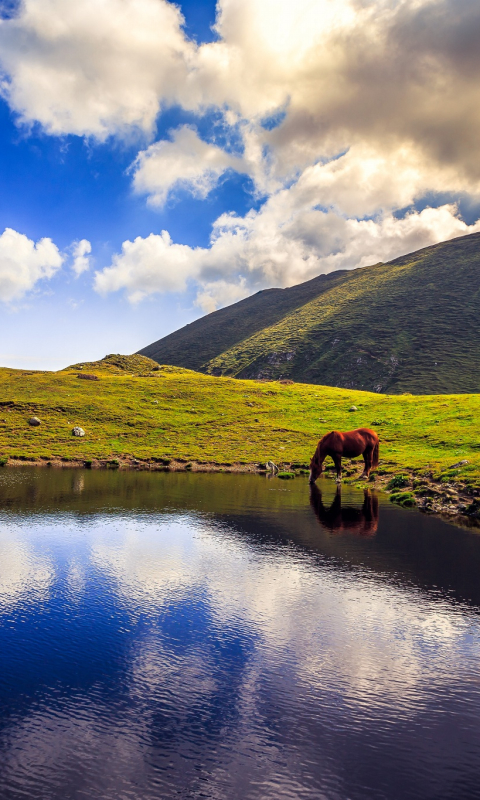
350	444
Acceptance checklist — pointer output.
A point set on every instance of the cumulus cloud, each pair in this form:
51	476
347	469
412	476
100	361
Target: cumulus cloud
372	105
81	260
185	162
375	72
23	263
290	239
345	71
154	264
213	294
93	68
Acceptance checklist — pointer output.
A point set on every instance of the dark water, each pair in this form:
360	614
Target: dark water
217	636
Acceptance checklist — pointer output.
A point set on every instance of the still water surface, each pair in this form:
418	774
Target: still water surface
218	636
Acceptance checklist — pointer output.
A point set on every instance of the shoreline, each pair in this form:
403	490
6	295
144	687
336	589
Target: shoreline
451	501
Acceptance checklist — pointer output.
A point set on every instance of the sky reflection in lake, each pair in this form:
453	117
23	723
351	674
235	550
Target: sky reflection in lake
217	636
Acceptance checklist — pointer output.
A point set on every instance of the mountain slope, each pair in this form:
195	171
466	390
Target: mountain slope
412	325
200	341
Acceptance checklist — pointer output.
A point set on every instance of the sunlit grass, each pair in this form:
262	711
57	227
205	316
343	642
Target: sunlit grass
173	413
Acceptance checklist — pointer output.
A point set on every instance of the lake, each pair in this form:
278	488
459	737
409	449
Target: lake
228	636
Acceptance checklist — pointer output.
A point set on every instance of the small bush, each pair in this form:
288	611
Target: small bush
405	499
398	482
473	509
449	475
419	483
87	464
113	463
286	476
3	461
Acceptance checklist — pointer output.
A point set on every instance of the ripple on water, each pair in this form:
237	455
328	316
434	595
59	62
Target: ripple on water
218	639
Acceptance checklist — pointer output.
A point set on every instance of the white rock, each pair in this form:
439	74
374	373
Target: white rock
77	431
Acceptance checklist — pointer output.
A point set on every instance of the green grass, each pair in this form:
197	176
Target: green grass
133	412
412	325
405	499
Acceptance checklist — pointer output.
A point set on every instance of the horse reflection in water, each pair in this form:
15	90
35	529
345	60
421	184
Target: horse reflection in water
361	521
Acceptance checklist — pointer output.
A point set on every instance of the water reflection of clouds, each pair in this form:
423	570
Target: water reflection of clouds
71	746
234	649
149	563
25	576
348	626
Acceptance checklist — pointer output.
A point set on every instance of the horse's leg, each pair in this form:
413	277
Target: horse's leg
368	458
337	460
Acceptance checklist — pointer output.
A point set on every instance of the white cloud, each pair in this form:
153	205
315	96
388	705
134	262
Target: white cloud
185	162
149	265
217	293
381	105
345	72
287	241
93	67
81	260
23	263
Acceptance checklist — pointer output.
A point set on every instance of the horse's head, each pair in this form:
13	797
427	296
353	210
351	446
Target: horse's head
315	468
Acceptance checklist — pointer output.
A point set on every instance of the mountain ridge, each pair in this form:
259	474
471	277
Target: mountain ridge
410	325
236	323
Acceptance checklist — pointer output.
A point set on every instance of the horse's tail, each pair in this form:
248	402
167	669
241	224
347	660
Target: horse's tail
375	455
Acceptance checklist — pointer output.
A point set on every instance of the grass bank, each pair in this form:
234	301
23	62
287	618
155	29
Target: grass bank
137	413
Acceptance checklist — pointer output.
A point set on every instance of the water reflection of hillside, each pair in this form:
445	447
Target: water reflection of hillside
43	490
402	546
338	518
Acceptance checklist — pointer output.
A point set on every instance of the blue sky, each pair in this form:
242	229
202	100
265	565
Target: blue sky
265	153
69	188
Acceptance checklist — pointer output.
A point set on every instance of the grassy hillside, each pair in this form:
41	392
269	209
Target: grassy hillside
410	325
136	410
202	340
